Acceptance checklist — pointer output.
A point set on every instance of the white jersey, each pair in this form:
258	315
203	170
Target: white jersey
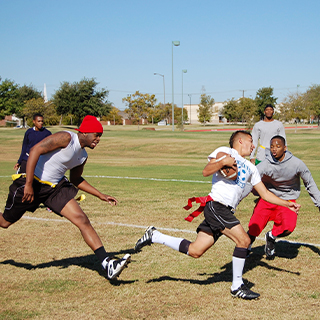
52	166
228	192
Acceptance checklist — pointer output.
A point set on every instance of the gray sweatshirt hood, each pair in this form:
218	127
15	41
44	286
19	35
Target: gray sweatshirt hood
271	159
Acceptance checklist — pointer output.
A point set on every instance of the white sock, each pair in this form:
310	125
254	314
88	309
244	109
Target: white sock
237	270
169	241
271	235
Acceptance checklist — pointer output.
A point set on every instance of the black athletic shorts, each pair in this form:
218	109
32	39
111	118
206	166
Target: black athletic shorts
54	198
217	217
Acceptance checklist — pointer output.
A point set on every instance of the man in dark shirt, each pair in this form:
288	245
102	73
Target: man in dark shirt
31	138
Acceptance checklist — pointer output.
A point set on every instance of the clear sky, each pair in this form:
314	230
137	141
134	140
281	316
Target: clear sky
229	48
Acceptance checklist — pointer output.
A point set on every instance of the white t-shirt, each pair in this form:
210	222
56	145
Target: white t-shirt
228	192
52	166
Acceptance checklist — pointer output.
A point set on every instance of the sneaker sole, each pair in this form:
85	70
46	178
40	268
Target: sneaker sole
244	298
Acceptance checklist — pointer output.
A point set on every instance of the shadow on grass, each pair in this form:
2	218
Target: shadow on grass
284	249
89	262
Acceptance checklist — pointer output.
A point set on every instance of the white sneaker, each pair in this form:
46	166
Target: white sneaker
115	267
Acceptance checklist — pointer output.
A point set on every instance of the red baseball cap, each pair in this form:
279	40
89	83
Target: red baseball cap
90	124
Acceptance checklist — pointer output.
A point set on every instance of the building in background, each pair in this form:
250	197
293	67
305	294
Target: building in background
217	117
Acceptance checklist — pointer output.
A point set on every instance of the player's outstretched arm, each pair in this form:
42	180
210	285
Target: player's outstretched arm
270	197
82	184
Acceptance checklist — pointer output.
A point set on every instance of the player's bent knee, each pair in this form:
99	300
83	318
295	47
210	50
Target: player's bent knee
78	218
244	242
195	252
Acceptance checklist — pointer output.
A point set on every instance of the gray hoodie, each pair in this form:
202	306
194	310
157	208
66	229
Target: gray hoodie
282	178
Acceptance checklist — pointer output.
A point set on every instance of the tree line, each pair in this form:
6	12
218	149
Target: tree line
69	104
72	101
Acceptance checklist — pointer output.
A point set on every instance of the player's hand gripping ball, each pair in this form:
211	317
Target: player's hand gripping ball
227	172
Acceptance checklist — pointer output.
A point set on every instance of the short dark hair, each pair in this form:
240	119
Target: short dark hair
269	106
236	134
280	138
36	115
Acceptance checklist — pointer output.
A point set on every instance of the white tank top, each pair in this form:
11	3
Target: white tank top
52	166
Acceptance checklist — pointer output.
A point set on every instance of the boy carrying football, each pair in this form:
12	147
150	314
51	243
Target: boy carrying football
219	210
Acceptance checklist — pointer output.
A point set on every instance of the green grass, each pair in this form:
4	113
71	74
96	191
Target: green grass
48	272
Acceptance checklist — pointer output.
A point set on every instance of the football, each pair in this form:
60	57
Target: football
227	172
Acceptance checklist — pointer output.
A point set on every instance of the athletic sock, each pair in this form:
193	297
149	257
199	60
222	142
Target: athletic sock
178	244
102	256
238	261
271	235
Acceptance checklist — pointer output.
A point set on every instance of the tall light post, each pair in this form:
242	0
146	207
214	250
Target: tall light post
174	43
183	71
164	89
190	105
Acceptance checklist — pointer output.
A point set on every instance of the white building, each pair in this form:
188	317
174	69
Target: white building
192	110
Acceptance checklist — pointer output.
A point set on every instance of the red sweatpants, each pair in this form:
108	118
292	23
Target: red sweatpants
284	218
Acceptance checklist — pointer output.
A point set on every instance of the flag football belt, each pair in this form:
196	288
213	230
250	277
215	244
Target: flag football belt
202	201
23	175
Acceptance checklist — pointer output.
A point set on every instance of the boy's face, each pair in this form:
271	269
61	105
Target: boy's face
92	139
38	123
247	145
278	149
268	112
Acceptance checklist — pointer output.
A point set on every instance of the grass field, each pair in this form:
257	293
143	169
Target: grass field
48	272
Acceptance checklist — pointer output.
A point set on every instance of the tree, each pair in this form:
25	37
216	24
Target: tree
231	111
264	97
139	106
312	99
26	93
47	109
294	107
248	109
81	99
205	110
164	112
113	116
8	98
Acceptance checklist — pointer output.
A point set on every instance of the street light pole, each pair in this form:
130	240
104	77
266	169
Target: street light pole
174	43
164	89
183	71
190	106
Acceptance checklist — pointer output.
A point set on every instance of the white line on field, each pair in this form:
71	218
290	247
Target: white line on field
151	179
159	228
140	178
136	178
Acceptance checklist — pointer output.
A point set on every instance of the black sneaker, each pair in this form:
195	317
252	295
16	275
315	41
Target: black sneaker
146	240
115	267
269	248
244	292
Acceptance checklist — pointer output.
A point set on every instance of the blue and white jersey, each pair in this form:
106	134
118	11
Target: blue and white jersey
228	192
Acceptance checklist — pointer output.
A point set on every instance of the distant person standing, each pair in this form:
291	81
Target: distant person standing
262	133
31	138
